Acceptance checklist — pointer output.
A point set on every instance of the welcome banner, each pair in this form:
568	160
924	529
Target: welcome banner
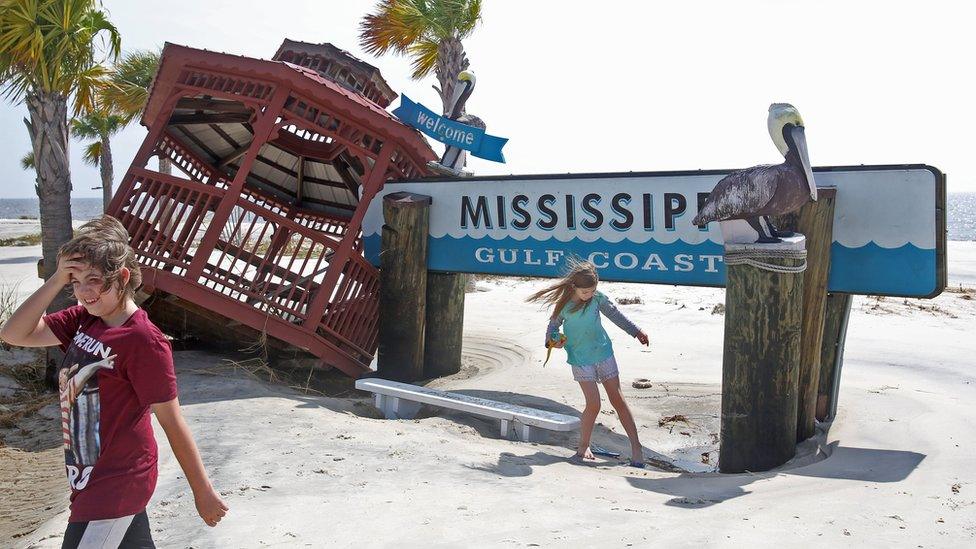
451	132
889	227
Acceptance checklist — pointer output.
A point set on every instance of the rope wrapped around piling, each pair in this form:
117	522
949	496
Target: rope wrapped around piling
760	259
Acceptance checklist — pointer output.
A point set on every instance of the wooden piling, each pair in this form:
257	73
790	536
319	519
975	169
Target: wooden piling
763	317
445	322
815	220
403	286
832	353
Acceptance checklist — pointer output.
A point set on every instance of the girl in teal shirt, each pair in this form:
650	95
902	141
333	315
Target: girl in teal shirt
576	308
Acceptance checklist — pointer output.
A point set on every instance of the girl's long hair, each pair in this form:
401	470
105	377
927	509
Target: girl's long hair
580	274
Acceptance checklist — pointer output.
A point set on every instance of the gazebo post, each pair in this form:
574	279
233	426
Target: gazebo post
262	131
156	130
370	187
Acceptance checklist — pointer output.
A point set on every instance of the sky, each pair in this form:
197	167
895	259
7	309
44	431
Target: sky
613	86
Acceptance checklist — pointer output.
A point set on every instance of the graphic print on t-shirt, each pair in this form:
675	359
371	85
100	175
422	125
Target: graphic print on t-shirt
80	407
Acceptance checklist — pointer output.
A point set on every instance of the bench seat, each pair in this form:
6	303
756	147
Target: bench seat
402	401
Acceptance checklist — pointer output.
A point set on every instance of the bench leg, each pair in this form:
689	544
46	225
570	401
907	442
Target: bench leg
528	433
397	408
506	428
521	431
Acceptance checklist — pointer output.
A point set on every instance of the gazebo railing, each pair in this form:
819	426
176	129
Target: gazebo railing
262	257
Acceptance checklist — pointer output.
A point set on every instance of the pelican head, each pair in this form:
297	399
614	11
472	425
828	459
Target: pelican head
787	131
467	76
462	90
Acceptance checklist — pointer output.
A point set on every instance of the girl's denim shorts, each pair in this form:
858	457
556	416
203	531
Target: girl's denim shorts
598	371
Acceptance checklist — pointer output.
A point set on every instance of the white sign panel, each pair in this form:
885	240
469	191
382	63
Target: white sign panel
889	227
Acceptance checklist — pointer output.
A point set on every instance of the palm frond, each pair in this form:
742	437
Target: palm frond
128	86
415	27
423	56
93	153
52	46
395	25
96	124
89	86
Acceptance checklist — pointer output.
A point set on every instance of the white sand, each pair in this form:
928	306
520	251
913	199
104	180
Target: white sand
315	471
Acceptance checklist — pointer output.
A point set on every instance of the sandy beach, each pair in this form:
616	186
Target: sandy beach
312	470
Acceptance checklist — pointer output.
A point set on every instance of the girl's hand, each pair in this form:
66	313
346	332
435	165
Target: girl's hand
69	269
210	507
642	337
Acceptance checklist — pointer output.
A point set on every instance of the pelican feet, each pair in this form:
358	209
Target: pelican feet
764	229
776	232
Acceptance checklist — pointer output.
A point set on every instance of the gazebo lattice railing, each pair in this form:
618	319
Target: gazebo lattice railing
261	226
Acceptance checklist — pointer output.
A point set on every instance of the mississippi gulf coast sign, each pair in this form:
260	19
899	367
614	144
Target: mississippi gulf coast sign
888	232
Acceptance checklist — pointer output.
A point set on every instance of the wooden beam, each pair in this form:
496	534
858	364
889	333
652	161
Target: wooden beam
816	221
196	141
347	177
207	118
403	287
225	136
445	323
286	195
301	179
214	105
308	179
234	155
832	353
760	366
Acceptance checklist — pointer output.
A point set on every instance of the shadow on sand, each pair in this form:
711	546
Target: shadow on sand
689	490
862	464
20	260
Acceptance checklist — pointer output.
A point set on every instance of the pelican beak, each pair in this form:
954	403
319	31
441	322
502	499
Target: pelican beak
799	140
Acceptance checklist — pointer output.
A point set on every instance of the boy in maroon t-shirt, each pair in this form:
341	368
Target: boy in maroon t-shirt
117	368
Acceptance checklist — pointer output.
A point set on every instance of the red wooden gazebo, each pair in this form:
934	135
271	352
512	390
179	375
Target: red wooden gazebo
276	163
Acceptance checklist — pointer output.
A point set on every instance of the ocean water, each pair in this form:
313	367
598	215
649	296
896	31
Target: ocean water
960	214
82	209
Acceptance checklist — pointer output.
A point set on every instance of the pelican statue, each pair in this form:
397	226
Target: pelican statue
753	194
454	158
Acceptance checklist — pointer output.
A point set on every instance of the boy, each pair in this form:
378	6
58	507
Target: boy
117	368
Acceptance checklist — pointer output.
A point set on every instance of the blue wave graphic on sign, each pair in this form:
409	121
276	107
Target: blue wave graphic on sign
450	132
906	270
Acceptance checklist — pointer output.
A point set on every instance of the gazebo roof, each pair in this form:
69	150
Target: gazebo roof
302	162
332	52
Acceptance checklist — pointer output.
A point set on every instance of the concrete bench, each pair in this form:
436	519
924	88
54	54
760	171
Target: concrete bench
402	401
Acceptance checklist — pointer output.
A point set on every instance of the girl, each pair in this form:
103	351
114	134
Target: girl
118	368
577	307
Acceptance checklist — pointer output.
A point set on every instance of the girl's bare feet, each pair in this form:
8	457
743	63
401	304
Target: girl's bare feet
586	454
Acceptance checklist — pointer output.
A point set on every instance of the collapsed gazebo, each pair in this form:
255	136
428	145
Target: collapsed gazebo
259	231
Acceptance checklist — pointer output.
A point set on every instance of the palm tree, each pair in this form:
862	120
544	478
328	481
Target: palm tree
27	161
429	31
128	89
49	55
99	125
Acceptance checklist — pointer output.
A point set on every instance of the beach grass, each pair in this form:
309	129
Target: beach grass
23	240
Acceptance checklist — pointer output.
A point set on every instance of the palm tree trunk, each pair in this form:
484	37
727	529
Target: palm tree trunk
451	60
105	167
49	139
449	290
